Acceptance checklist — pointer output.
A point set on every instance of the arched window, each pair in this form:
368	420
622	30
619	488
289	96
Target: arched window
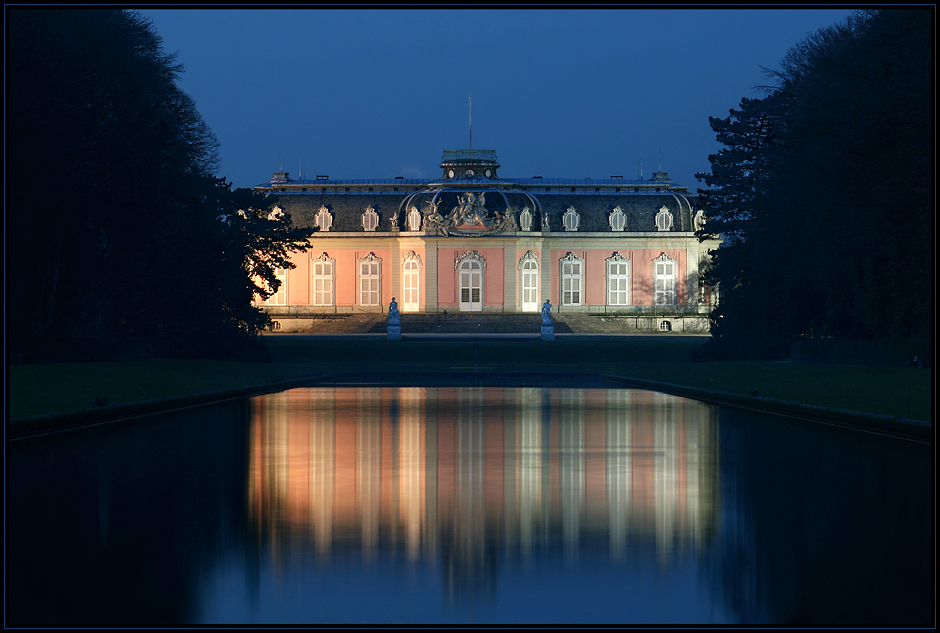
322	271
370	280
411	281
529	282
470	268
572	280
664	280
618	280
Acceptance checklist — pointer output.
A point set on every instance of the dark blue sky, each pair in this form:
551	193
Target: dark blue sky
557	93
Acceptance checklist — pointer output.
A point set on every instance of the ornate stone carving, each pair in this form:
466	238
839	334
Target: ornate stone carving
528	256
412	256
474	255
469	218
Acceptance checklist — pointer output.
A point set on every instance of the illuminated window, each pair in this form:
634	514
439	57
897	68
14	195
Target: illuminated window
411	282
529	274
470	268
572	280
664	280
370	281
323	269
618	280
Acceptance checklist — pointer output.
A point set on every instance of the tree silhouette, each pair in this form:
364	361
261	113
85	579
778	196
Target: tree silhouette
113	227
822	191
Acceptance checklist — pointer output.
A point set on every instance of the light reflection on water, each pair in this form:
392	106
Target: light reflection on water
469	482
457	505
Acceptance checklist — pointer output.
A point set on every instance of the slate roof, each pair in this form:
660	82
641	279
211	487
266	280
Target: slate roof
593	199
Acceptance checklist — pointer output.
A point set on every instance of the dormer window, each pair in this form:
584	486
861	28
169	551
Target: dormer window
664	219
370	219
414	219
324	219
525	219
617	219
571	219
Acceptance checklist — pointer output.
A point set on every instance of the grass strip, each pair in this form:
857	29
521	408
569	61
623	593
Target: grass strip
54	388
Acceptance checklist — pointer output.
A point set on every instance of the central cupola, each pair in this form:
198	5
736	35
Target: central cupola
469	164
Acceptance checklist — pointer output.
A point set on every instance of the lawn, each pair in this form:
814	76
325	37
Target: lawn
898	391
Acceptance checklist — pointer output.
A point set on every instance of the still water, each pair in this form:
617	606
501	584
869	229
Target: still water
469	506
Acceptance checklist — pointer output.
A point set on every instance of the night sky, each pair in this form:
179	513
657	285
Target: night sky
557	93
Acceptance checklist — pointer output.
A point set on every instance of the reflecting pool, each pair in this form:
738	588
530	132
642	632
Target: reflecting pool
469	505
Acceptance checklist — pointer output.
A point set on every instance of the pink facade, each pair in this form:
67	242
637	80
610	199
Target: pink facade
474	242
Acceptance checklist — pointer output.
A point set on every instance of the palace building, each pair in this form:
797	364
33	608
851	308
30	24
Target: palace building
473	241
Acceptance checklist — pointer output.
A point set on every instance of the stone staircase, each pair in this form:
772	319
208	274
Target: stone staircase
477	323
469	323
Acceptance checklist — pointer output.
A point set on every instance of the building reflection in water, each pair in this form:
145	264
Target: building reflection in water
462	476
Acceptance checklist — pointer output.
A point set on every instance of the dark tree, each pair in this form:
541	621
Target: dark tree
112	208
823	191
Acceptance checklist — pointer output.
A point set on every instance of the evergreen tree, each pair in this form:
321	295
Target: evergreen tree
834	238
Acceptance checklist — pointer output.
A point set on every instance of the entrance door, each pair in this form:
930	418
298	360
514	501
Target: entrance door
471	286
411	274
530	284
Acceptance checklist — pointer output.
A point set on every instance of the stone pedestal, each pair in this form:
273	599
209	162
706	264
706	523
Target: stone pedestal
548	332
394	333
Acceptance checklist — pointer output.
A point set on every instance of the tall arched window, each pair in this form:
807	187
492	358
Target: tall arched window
322	270
370	280
529	282
411	282
618	280
470	268
572	280
664	280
